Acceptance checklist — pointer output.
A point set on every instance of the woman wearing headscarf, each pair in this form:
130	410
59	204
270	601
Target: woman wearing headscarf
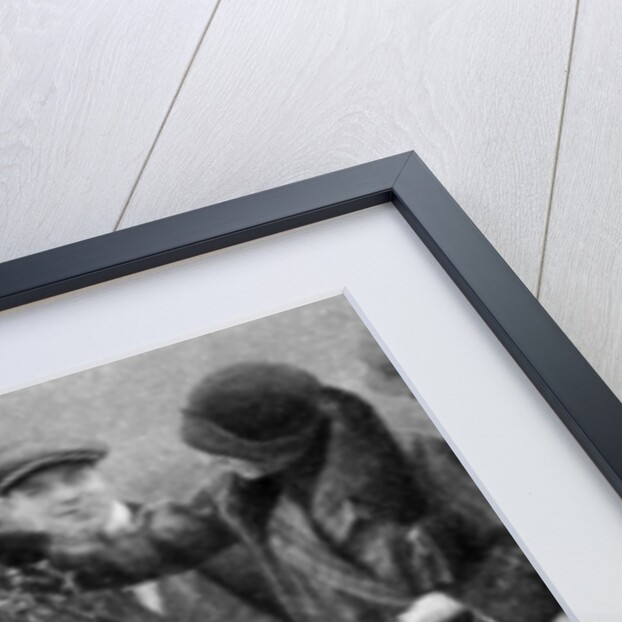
338	522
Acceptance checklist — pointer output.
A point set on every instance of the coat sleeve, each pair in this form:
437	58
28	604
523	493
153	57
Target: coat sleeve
166	539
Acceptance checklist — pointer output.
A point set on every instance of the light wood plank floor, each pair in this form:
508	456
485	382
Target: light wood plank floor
117	114
84	87
582	276
281	91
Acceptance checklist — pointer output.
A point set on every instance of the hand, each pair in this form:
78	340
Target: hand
437	607
72	554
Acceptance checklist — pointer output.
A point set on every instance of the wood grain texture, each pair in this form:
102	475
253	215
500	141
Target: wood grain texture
282	91
84	87
582	275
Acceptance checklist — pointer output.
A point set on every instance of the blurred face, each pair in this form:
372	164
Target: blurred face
65	500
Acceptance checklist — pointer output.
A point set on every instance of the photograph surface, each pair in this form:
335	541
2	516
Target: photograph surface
276	471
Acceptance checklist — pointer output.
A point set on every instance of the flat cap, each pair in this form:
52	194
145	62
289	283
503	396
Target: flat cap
19	460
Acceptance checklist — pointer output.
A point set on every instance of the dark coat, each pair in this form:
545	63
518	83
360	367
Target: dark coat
39	593
31	590
355	531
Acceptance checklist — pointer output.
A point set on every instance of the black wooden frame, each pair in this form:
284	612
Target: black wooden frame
566	380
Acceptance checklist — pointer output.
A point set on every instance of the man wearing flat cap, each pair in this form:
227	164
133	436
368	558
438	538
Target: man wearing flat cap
53	492
338	522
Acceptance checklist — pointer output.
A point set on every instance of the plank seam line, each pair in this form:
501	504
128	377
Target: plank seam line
166	116
547	218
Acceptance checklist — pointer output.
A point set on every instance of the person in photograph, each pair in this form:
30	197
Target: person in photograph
337	521
458	489
53	492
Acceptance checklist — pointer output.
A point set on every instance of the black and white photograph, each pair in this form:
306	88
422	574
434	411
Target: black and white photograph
310	311
275	471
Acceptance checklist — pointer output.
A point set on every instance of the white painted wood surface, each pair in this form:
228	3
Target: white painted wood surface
282	91
582	276
279	92
84	87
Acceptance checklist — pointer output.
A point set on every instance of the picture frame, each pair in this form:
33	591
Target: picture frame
579	397
425	283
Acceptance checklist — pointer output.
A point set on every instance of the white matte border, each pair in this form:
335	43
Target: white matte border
551	496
